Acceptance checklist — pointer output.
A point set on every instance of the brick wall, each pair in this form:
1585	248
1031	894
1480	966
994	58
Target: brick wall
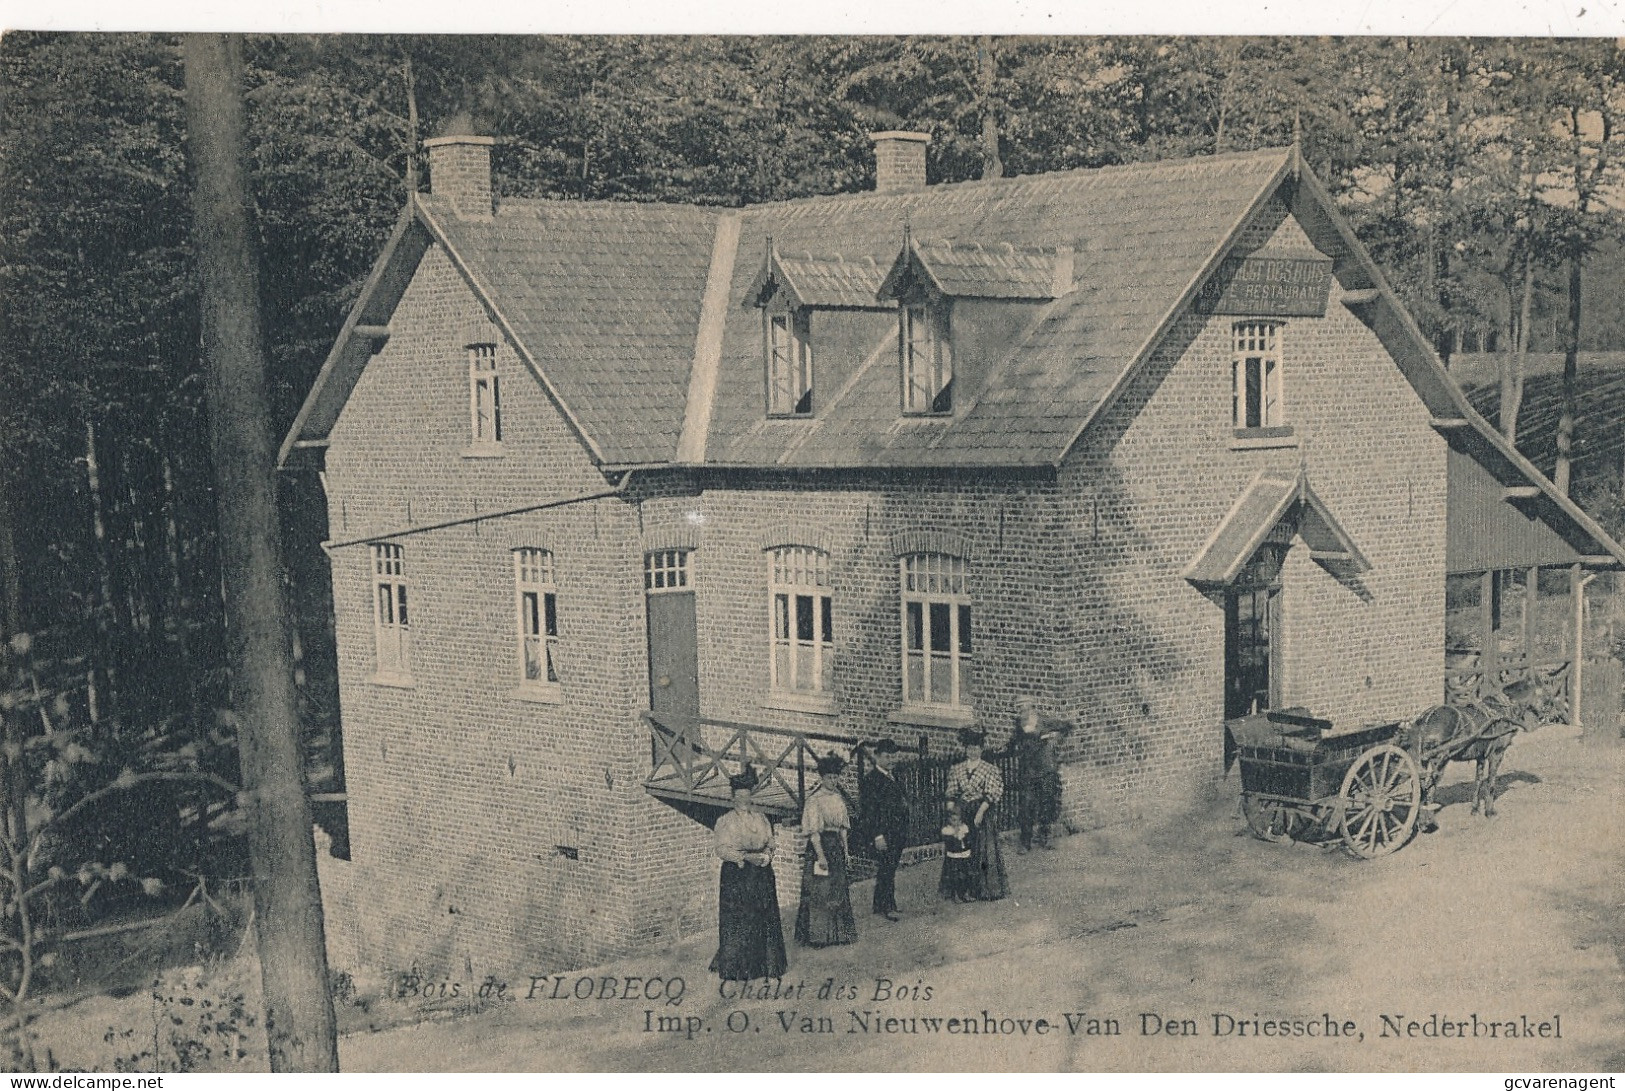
1140	652
462	791
899	165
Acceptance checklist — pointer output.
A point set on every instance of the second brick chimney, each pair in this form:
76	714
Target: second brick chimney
460	171
899	161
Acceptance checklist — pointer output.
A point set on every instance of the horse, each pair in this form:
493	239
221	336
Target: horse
1479	730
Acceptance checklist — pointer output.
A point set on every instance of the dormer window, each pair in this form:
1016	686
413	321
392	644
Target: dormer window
925	350
789	363
484	397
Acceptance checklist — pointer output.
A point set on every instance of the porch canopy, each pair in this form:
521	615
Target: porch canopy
1274	509
1499	517
1517	556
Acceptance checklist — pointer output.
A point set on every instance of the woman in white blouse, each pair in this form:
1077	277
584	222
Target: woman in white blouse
825	917
750	936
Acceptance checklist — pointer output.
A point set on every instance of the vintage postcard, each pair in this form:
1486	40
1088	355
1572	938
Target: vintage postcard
828	553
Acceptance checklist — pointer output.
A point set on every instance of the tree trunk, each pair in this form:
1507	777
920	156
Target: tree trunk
13	789
13	782
1571	373
1514	362
287	902
987	69
11	588
93	478
178	610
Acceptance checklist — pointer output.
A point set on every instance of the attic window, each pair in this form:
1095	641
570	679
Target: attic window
789	363
484	397
926	353
1255	380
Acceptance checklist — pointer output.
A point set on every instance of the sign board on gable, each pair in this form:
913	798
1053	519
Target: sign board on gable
1256	285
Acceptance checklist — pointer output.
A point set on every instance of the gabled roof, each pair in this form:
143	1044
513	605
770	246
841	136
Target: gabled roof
1143	237
1374	301
828	281
1260	508
603	301
976	271
600	299
603	298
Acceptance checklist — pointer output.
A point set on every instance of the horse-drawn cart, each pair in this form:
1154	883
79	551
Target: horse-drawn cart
1303	780
1300	780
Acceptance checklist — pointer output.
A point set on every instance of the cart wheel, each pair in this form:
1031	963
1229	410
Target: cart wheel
1380	799
1271	820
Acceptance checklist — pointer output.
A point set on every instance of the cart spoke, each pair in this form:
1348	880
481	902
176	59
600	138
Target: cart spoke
1379	796
1362	832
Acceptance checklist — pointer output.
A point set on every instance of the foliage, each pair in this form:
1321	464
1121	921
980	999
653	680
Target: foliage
1475	170
61	781
201	1021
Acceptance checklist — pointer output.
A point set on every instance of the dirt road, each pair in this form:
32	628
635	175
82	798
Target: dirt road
1195	927
1486	926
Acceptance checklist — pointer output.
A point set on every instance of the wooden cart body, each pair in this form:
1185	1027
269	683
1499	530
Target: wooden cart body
1301	779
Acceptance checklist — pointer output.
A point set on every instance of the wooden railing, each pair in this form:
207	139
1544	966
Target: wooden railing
691	758
1466	680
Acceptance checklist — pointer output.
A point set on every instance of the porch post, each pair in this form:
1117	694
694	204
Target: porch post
1531	603
1487	651
1577	588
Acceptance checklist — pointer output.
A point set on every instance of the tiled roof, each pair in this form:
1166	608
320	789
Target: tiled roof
831	281
1140	235
606	301
996	271
605	298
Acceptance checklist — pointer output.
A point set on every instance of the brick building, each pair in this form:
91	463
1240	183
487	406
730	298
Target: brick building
1153	444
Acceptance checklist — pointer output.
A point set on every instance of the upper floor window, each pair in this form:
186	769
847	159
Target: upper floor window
665	570
789	363
926	353
391	625
1255	376
536	600
803	630
484	396
936	630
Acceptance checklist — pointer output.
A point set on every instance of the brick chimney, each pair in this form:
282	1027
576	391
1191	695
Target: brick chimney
899	161
460	171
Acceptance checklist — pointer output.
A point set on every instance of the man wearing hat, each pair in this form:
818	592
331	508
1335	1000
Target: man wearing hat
1035	744
885	823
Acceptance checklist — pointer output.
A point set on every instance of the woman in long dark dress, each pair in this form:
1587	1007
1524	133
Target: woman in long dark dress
750	936
978	786
825	917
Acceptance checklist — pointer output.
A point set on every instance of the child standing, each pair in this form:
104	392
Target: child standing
957	882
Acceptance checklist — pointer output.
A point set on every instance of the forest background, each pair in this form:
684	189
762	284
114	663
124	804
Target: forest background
1484	175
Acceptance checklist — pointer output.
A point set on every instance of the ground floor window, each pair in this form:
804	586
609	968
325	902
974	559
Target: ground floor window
937	661
537	602
392	630
803	630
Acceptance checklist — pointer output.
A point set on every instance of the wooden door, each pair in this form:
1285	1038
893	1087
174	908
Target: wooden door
1252	619
674	665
